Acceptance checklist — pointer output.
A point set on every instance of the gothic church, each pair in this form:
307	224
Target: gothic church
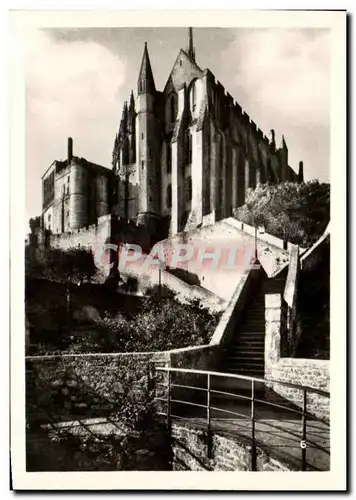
183	157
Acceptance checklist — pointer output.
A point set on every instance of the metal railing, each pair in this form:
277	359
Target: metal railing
208	407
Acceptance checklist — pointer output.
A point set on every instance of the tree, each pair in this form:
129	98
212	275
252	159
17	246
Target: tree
295	212
75	265
34	223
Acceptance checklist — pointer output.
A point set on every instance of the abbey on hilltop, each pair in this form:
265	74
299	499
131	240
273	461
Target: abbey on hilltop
182	157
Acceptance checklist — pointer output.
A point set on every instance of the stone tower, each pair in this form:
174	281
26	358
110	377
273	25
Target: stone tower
147	147
283	160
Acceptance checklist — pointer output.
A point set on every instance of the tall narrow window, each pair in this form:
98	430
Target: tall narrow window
189	149
169	158
169	196
189	189
221	191
192	97
173	108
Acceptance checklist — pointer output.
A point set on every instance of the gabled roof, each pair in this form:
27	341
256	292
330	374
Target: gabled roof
183	72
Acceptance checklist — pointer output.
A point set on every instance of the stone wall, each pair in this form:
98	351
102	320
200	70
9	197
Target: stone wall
267	238
307	372
190	452
234	309
68	386
72	385
89	237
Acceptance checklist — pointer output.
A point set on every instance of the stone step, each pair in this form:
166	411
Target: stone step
247	361
249	333
246	344
251	321
242	368
246	349
246	354
247	337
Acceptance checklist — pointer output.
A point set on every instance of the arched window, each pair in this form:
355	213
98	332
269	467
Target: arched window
189	147
173	108
189	189
192	97
125	152
169	196
169	158
221	152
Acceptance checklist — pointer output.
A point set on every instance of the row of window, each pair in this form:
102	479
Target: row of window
189	154
188	192
174	103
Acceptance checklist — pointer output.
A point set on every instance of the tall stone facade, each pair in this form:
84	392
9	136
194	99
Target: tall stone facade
186	155
76	193
182	157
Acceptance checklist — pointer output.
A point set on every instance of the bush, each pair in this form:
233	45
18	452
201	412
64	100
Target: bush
161	325
74	265
295	212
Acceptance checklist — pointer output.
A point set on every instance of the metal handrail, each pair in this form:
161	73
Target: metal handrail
253	380
243	377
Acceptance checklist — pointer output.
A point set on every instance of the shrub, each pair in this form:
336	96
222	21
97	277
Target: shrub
74	265
295	212
161	325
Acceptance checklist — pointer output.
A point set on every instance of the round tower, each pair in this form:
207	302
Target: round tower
102	195
78	195
147	146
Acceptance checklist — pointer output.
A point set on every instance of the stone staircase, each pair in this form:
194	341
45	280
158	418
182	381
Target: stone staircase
245	353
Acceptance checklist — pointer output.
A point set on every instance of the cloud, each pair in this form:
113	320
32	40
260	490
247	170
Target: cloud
281	78
286	70
71	90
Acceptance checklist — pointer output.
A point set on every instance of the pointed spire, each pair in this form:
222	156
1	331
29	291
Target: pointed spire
124	120
131	113
132	101
191	50
283	143
273	141
146	84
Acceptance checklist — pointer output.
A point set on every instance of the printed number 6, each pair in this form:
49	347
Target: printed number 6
303	444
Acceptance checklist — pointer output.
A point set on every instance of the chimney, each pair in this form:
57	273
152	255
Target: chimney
70	150
301	172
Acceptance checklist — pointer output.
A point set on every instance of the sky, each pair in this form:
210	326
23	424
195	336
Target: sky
77	80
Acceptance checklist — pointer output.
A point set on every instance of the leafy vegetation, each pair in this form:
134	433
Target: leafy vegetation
298	213
133	438
100	320
161	325
74	265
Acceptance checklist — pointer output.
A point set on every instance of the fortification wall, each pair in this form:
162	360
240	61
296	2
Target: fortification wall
90	237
